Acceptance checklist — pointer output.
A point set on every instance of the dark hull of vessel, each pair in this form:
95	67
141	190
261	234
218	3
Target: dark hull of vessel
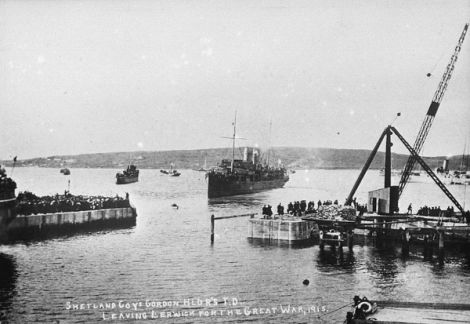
220	187
125	180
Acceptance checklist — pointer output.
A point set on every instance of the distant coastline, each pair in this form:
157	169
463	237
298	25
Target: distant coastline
291	157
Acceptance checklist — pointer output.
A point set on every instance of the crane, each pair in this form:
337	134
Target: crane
436	101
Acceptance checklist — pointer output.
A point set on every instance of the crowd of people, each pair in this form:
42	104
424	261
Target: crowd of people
7	185
302	208
436	211
297	208
28	203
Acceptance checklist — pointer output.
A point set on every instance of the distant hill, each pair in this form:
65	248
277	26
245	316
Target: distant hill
292	157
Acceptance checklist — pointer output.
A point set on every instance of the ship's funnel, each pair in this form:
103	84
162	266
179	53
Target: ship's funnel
248	154
255	156
445	165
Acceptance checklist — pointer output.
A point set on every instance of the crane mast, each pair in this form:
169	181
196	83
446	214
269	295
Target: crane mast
436	100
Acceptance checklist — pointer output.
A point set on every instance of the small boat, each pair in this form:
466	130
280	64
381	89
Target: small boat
203	168
174	173
65	171
130	175
171	172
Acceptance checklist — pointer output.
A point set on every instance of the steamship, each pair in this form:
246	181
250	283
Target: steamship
237	177
130	175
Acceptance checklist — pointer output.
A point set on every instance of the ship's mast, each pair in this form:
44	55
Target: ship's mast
269	139
233	140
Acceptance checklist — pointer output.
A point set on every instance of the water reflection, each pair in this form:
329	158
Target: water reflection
237	201
382	261
265	243
8	276
337	258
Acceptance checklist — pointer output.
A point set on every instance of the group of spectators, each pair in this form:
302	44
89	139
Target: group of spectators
28	203
436	211
301	208
297	208
7	185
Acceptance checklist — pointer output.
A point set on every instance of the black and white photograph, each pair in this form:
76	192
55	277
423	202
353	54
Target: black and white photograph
234	161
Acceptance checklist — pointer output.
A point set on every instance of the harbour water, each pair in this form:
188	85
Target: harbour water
168	259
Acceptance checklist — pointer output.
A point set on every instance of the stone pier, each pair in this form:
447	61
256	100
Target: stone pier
44	225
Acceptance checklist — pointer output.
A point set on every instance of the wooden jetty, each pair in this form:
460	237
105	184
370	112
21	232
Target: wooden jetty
383	219
414	228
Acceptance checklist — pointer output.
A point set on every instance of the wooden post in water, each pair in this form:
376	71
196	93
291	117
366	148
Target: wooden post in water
426	247
405	239
441	239
441	245
350	240
213	219
212	229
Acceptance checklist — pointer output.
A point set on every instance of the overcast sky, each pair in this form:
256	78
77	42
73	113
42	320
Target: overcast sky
104	76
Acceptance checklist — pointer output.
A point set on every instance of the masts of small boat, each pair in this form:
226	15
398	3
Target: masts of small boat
269	141
171	172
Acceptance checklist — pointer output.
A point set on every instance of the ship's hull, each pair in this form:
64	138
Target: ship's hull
220	187
124	180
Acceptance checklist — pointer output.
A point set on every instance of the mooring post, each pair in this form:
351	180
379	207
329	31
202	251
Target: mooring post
350	240
426	246
212	229
405	239
380	231
441	247
441	240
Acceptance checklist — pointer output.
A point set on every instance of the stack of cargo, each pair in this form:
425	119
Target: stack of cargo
336	212
348	213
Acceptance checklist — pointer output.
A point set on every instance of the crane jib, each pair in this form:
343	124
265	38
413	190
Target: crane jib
433	109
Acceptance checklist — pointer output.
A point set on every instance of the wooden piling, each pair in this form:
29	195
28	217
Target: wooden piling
212	229
441	240
350	238
213	219
426	247
405	239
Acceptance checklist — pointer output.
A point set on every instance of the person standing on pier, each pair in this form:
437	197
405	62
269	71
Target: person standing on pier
410	209
280	209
